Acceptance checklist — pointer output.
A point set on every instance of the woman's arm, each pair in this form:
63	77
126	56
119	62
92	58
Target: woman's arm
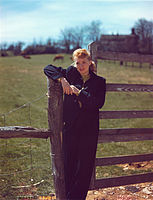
58	73
66	86
54	72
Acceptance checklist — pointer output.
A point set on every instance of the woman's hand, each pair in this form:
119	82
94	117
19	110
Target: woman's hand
75	90
66	86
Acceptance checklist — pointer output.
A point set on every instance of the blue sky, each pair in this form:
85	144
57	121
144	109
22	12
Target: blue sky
26	20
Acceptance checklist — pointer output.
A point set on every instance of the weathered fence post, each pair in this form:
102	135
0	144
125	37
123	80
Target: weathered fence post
55	123
93	52
92	47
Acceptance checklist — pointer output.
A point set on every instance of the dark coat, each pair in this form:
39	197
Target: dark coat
81	127
92	97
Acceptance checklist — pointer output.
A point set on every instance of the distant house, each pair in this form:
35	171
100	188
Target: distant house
119	43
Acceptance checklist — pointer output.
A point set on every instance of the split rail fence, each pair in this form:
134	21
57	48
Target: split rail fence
122	134
120	56
55	107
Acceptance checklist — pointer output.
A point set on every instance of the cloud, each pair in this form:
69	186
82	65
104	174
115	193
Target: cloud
28	24
28	19
137	10
46	20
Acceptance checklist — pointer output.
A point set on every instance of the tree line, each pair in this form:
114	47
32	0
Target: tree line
79	36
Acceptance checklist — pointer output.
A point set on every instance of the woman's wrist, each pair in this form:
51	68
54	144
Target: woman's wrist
60	79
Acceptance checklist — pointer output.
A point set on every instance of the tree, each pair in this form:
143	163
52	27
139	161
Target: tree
50	46
73	38
144	29
11	47
66	39
18	48
3	49
78	37
3	46
94	31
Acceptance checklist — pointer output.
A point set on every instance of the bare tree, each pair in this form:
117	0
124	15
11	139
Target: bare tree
94	30
78	35
3	46
66	39
144	29
72	38
18	48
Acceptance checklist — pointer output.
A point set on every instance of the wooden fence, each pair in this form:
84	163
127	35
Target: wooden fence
105	136
55	104
122	134
55	124
119	56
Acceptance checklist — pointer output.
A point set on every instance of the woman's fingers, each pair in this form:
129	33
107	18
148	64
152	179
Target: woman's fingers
66	86
68	90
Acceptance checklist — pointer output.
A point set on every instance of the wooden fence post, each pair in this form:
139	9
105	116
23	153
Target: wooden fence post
55	123
92	47
93	52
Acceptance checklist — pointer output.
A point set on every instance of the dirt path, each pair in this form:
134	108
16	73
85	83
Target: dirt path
141	191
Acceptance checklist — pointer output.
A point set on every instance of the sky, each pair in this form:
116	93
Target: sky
29	20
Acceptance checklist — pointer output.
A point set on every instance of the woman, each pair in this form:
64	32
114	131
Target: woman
84	96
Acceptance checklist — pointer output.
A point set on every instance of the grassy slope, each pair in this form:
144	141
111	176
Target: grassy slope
22	81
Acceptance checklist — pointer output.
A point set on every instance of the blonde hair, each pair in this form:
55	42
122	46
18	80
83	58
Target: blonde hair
83	53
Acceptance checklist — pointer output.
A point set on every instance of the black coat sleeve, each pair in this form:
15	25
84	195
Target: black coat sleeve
92	100
54	72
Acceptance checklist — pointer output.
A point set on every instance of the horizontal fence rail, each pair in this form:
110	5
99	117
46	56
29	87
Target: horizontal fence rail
123	180
105	135
125	135
126	114
23	132
128	57
111	87
123	159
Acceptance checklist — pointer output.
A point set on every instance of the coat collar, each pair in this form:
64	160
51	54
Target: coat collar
77	74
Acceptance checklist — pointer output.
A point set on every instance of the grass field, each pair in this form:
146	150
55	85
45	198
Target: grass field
26	161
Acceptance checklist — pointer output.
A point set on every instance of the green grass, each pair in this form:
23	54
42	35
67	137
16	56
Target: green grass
25	161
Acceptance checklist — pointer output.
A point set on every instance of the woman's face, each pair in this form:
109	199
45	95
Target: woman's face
82	65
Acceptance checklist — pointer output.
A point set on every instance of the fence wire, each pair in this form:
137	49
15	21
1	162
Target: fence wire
23	106
33	166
